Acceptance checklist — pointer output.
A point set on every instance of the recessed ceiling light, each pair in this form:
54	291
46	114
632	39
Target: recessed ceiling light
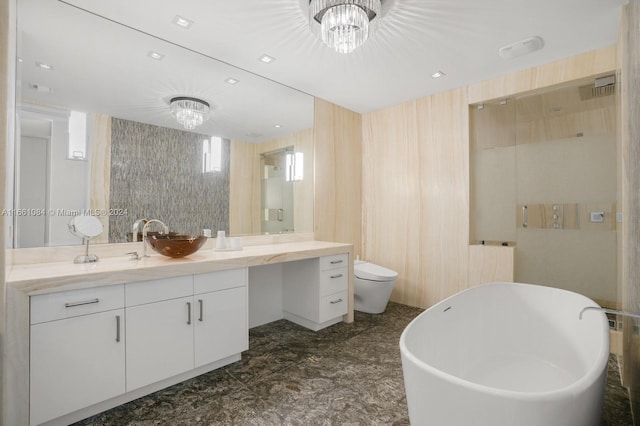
19	59
266	58
277	126
182	21
44	66
232	80
438	74
155	55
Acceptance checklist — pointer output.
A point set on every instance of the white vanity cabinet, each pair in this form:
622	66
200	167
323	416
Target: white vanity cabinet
90	338
177	324
77	353
315	292
159	329
221	315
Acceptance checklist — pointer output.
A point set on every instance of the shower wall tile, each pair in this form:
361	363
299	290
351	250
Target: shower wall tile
156	173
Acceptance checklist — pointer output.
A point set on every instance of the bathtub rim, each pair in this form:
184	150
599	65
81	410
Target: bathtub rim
582	384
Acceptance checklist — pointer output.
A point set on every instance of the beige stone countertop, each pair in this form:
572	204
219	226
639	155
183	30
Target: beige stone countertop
46	277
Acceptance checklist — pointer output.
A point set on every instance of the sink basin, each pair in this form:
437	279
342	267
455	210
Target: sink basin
176	245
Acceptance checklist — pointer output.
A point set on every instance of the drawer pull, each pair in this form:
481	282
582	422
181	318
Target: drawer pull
118	328
86	302
335	262
336	276
201	306
188	313
333	302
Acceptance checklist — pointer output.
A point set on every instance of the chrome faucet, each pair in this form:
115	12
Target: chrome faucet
144	234
608	311
137	228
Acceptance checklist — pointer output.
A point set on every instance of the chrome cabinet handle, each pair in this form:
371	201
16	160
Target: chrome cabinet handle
336	276
201	303
333	302
118	328
189	313
85	302
333	262
524	216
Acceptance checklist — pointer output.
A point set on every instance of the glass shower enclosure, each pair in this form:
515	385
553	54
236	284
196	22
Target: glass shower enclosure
544	178
276	192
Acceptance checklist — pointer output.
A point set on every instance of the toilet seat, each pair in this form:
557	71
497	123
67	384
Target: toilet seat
372	272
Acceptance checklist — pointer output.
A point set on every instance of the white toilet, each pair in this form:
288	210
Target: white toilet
373	286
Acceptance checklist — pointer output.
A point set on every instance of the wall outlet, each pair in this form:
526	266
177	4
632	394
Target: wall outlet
206	233
596	217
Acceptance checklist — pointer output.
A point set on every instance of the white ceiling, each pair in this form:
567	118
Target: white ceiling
415	38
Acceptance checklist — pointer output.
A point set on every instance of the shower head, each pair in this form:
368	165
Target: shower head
602	86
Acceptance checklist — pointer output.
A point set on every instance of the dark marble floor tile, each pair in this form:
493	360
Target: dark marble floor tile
616	410
347	374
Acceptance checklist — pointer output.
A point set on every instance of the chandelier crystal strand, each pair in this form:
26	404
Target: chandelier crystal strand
189	112
344	25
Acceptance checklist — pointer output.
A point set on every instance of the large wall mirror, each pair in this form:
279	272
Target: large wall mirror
95	133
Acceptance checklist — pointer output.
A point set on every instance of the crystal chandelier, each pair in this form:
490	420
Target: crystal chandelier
190	112
344	24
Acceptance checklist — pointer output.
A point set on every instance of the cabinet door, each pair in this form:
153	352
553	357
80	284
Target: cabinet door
159	341
221	328
76	362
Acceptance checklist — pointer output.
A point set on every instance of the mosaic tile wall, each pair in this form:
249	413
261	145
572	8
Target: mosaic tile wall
156	173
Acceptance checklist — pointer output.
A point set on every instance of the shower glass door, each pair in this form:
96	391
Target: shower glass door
276	191
566	190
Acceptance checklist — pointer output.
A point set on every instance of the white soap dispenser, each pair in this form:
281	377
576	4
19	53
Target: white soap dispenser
221	241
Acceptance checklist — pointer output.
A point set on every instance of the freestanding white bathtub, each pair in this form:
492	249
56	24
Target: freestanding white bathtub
506	354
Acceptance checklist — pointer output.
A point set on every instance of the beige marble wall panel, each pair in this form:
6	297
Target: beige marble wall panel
392	197
490	264
244	202
574	68
630	127
416	198
338	174
99	186
446	174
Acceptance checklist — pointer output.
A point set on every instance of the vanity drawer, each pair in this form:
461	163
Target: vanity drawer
143	292
333	305
334	261
67	304
221	280
333	281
